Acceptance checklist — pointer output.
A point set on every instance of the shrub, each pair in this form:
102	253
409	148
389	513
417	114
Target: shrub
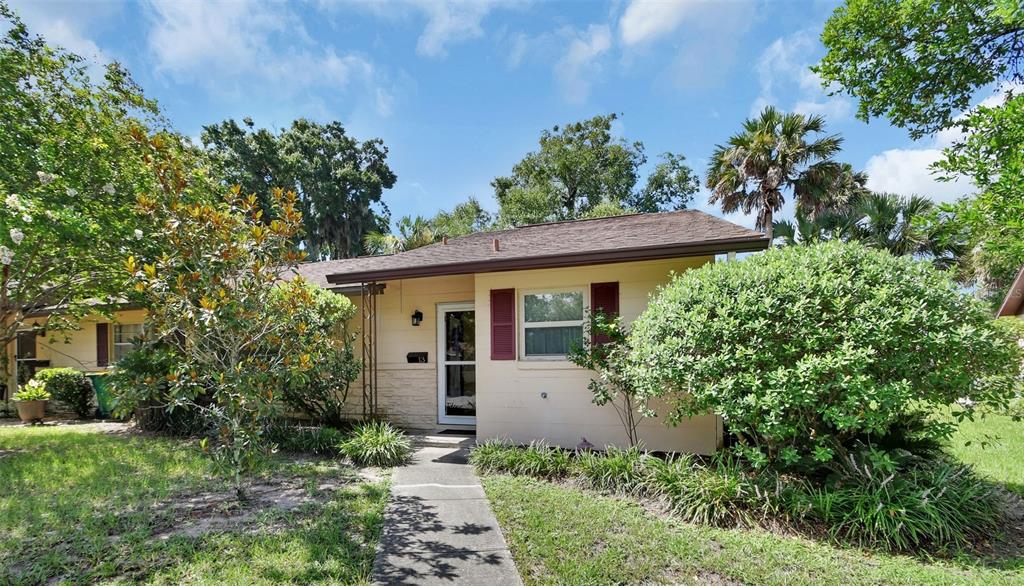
313	439
614	470
538	459
804	350
70	387
33	390
722	492
141	389
376	443
934	502
321	390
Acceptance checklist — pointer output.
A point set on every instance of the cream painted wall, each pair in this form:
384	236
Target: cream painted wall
77	348
510	403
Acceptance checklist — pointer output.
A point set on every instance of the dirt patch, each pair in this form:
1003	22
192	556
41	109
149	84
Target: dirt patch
197	514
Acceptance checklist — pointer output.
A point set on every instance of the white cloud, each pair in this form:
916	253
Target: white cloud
646	20
236	47
908	172
449	23
784	68
578	67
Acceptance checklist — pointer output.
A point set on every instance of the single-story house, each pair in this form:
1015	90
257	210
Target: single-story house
1013	305
472	332
95	346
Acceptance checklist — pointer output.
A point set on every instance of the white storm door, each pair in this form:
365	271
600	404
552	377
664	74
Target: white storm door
456	363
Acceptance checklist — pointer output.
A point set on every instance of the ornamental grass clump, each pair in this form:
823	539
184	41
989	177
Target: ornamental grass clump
538	459
376	443
614	470
932	504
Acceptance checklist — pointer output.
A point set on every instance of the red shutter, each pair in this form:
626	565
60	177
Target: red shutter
604	297
503	324
102	344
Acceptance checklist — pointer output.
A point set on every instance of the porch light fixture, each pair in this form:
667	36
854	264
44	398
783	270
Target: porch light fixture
417	317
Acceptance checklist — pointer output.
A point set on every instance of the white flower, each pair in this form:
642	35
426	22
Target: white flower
72	192
6	255
50	215
17	236
138	234
45	178
108	189
13	202
26	218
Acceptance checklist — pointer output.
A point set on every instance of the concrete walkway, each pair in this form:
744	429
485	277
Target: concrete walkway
439	528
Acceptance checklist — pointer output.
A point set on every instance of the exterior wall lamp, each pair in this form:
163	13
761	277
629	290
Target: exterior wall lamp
417	317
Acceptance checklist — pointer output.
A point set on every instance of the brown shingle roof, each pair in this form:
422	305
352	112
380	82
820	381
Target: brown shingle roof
556	244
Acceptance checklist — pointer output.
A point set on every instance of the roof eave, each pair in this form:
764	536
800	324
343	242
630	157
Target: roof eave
744	244
1014	297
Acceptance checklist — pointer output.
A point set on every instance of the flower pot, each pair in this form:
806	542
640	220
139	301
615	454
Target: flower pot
30	411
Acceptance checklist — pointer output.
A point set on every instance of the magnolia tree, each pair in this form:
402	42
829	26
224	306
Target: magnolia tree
68	178
234	331
810	353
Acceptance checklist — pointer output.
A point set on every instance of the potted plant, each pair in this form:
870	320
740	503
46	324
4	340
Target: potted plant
31	400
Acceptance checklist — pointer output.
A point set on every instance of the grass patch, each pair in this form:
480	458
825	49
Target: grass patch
80	506
563	535
994	446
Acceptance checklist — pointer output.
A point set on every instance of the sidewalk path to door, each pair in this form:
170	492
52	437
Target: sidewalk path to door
439	528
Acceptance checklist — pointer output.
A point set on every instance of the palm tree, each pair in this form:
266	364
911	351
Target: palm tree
901	225
412	233
828	225
772	154
886	221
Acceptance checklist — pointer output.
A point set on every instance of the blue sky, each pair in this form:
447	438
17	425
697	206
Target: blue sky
460	91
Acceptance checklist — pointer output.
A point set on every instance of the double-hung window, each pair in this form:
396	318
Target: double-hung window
124	339
552	322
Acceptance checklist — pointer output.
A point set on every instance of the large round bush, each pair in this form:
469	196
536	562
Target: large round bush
806	351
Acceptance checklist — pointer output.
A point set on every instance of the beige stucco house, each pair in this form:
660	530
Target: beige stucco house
95	346
471	333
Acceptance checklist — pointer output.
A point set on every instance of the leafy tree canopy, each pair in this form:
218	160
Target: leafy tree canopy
339	180
920	63
994	219
68	177
582	167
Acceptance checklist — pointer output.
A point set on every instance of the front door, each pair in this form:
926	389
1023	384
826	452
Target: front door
456	363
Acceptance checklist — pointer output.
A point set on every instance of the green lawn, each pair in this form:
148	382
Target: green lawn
79	506
996	449
562	535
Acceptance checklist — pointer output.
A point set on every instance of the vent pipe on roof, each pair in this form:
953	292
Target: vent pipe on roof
444	240
495	245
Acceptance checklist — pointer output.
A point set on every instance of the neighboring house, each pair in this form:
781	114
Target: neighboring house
472	332
1014	302
95	346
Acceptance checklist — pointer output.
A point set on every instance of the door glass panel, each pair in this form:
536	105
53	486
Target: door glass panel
460	394
460	336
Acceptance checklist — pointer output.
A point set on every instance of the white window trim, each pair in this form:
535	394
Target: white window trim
521	302
114	343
